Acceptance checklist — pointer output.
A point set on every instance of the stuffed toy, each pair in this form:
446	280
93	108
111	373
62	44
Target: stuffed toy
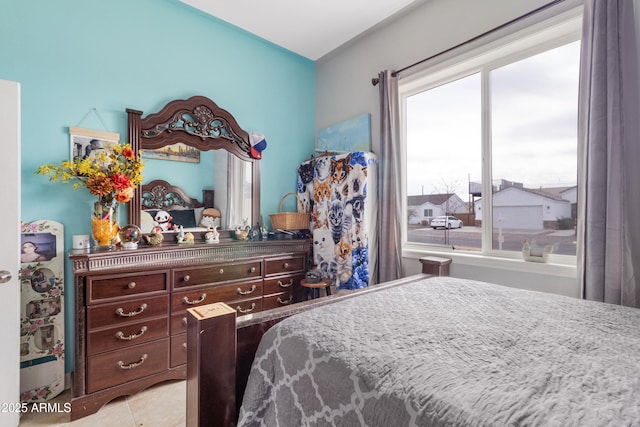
162	220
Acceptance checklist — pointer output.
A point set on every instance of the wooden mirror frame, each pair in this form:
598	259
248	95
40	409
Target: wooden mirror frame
199	123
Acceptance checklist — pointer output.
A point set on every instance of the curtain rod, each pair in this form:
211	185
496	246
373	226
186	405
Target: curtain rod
376	80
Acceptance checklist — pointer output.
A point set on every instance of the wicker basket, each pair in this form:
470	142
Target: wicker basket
289	220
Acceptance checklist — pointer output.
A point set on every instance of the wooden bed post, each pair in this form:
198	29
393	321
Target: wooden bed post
221	348
211	361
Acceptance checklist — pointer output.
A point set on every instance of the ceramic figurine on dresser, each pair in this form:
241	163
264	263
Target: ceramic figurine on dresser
212	236
41	311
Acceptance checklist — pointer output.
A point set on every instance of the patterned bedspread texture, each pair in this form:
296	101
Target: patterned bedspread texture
449	352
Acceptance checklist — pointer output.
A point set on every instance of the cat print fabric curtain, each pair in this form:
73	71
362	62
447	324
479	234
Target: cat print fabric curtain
339	191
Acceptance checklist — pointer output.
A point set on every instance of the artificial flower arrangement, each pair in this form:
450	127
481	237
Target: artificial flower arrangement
110	174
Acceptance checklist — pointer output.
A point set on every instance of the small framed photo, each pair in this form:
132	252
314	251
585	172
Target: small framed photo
86	143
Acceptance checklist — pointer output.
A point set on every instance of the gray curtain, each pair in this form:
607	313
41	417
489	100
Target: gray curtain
389	205
609	154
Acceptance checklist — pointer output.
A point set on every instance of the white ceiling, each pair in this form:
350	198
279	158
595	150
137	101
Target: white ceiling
310	29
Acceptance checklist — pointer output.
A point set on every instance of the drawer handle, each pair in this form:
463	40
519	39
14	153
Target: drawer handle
248	310
252	270
186	278
285	285
221	271
184	346
250	291
131	285
184	321
285	265
121	364
120	334
198	301
120	311
285	302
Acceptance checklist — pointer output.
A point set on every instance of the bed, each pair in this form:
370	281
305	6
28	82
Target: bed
445	352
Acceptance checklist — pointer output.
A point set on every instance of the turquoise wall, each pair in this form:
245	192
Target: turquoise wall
71	56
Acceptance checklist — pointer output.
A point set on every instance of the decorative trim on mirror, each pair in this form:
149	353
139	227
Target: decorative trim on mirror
200	122
160	194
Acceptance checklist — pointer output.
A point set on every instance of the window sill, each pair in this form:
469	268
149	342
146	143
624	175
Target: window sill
487	261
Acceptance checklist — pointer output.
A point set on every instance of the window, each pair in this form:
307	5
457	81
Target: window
491	139
428	212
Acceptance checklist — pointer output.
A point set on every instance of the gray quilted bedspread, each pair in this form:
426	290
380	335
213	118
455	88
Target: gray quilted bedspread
449	352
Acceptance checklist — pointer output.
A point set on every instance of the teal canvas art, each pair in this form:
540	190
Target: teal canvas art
348	136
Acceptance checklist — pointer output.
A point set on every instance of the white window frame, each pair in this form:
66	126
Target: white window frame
561	29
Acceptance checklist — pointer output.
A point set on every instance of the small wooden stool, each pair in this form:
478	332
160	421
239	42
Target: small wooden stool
313	289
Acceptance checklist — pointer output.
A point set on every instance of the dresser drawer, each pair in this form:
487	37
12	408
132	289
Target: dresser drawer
104	315
178	350
179	322
123	286
123	336
284	264
221	293
117	367
277	300
282	283
216	274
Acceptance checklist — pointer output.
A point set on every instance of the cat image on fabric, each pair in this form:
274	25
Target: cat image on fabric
321	195
323	246
328	268
305	172
340	218
322	168
340	169
344	259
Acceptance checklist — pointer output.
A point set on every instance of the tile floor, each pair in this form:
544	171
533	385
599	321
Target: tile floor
160	405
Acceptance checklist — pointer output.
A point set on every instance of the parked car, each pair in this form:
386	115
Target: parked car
446	222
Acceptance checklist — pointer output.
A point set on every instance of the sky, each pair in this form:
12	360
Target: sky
534	127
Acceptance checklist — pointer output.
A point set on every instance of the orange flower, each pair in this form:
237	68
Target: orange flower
120	181
128	153
124	195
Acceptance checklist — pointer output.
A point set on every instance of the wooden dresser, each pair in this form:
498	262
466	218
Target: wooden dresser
130	307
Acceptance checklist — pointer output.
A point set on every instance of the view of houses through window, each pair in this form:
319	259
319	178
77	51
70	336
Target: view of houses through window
519	114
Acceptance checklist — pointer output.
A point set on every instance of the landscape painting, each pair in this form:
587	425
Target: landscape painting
178	152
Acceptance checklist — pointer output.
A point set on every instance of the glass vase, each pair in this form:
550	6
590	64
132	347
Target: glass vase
104	223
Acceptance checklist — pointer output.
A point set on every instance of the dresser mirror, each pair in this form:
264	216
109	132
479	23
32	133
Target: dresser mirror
226	175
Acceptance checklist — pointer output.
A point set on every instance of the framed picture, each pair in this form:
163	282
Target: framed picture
84	142
38	247
348	136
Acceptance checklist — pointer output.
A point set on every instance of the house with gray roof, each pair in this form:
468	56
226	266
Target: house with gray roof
520	208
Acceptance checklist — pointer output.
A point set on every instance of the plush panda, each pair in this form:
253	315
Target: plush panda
162	219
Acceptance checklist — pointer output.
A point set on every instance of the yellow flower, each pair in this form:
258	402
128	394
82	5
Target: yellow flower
96	173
